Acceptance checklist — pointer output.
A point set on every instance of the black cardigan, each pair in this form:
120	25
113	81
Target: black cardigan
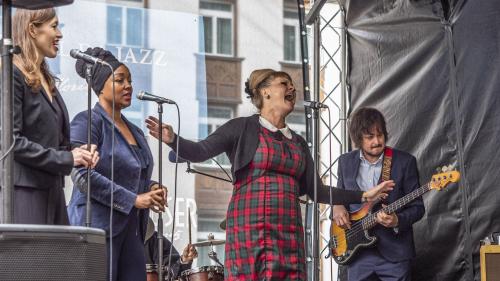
239	139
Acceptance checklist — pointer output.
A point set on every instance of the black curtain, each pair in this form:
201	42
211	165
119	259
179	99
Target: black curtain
433	68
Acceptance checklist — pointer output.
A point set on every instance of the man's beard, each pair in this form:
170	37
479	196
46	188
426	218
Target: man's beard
374	155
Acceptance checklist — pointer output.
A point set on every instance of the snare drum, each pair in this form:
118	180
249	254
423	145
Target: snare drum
203	273
152	271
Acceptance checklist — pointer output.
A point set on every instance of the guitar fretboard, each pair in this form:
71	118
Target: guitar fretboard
370	221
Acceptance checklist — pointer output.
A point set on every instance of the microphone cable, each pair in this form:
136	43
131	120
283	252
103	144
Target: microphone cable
10	149
330	187
168	277
224	170
112	178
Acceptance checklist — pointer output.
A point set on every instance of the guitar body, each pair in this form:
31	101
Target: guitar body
346	243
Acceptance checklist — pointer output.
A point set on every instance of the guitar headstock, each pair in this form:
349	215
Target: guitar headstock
445	176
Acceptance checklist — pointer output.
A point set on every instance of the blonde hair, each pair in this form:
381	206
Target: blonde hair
26	60
260	79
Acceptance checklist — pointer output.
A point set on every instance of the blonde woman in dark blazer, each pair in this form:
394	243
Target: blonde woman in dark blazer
42	152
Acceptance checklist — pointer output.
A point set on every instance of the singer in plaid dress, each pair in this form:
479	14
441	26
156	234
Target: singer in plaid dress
271	167
264	223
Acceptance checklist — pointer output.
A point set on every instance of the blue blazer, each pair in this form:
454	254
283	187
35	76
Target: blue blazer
127	171
394	246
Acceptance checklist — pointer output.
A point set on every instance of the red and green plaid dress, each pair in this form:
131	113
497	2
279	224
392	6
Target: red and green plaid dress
264	223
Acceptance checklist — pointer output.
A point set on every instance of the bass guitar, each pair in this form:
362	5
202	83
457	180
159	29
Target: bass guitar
346	243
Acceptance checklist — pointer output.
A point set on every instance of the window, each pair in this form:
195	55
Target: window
291	39
125	26
217	27
216	117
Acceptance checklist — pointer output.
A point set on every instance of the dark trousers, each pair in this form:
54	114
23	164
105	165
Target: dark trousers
129	263
371	266
40	206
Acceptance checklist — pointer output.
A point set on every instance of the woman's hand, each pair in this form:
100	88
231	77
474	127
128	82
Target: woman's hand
84	157
165	193
152	199
167	132
378	192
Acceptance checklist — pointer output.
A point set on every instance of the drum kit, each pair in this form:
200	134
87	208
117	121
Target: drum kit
201	273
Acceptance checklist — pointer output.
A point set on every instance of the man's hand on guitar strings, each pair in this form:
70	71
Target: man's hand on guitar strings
387	220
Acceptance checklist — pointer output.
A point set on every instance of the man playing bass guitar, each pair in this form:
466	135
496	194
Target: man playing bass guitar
362	169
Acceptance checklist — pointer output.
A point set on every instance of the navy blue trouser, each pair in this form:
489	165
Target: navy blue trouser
371	266
129	263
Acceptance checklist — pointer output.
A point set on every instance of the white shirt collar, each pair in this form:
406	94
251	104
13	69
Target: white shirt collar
266	124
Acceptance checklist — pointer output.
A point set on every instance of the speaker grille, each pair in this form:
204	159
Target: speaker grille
53	253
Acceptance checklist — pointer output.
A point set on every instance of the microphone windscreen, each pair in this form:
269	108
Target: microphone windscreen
81	65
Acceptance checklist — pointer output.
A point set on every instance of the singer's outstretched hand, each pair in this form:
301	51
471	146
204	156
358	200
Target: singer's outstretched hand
378	192
167	132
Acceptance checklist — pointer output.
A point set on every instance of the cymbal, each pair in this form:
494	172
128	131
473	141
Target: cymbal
209	243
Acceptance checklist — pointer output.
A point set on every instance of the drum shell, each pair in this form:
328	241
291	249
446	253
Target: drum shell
203	273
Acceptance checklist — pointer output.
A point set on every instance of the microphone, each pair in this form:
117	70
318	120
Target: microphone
145	96
315	104
77	54
172	158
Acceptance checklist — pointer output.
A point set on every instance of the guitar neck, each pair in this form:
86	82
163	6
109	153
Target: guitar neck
370	221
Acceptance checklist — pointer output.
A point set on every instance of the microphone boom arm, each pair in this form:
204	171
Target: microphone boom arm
189	170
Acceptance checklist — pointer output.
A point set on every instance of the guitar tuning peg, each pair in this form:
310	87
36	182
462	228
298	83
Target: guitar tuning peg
438	170
451	167
445	169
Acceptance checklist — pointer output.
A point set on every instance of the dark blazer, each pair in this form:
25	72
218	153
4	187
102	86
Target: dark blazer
239	139
393	246
40	160
127	171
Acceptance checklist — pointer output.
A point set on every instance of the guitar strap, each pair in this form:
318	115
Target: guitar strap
386	165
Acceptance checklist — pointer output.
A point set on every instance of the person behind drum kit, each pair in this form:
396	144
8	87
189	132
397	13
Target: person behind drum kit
133	191
271	168
42	151
178	264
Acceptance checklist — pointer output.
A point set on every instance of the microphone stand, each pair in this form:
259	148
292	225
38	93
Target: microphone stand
193	171
88	77
160	219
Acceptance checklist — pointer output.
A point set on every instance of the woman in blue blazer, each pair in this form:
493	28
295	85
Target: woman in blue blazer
133	191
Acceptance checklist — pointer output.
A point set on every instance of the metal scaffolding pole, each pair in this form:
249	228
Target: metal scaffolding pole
7	166
327	23
343	81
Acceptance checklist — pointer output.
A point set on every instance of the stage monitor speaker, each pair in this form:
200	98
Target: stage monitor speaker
55	253
490	262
